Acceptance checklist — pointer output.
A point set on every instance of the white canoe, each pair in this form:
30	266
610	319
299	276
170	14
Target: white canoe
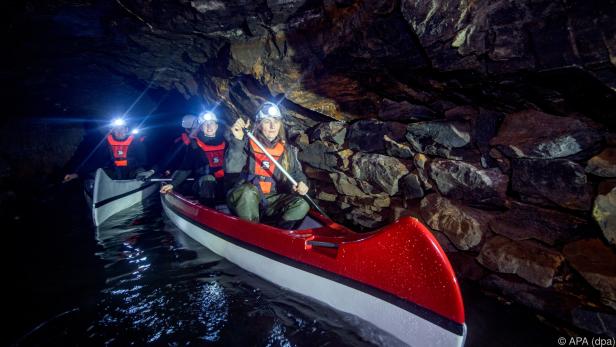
112	196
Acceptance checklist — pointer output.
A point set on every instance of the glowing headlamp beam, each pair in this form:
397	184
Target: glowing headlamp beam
118	122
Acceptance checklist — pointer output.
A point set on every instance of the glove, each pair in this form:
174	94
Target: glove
143	176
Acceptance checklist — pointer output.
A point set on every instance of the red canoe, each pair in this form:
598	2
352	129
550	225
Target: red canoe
397	278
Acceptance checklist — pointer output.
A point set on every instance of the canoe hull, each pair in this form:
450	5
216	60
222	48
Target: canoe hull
402	319
112	196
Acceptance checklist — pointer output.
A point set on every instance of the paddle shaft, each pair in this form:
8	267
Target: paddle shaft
166	179
284	171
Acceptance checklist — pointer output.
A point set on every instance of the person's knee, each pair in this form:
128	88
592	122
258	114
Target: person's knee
248	192
244	202
297	210
207	179
303	206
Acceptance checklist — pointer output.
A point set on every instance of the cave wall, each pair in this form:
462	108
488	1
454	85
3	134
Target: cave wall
491	121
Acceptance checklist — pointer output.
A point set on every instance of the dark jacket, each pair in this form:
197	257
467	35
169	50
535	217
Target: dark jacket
239	159
173	157
194	161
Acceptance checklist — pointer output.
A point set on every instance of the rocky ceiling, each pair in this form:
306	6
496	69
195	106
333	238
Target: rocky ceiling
330	59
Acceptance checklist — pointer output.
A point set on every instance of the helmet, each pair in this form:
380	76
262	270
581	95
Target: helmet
208	116
118	122
189	121
269	110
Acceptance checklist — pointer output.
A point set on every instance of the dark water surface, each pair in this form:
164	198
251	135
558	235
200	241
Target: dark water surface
138	280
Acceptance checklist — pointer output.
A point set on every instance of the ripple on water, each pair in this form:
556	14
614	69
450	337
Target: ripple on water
163	288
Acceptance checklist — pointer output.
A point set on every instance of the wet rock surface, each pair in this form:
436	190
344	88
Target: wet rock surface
467	182
530	261
597	264
604	213
523	222
561	182
464	226
537	135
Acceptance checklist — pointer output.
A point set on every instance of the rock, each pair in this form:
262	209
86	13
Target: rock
316	174
522	222
499	37
463	225
301	141
368	135
379	201
379	170
410	186
344	159
403	111
333	132
597	322
421	163
462	113
603	164
559	181
326	196
597	264
320	155
466	266
365	218
440	138
444	242
346	185
604	212
466	182
546	301
398	150
399	208
485	127
606	186
527	259
537	135
503	163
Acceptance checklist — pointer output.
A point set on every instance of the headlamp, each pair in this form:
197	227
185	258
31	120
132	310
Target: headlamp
118	122
269	110
208	116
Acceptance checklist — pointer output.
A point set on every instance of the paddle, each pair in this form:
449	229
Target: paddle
282	169
166	179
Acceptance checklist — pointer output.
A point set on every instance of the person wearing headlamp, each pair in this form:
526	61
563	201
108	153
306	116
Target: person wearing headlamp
123	157
204	158
260	194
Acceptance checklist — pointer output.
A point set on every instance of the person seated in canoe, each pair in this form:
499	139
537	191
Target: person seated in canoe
261	191
173	158
204	157
122	154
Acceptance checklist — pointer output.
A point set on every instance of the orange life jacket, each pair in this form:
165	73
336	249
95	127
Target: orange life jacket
185	139
263	168
215	156
120	149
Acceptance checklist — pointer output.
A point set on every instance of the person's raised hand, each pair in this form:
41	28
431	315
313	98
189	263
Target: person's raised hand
237	129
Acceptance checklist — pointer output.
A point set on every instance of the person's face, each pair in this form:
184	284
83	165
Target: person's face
270	127
120	133
209	128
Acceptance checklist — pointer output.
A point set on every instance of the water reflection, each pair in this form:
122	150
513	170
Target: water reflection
163	288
